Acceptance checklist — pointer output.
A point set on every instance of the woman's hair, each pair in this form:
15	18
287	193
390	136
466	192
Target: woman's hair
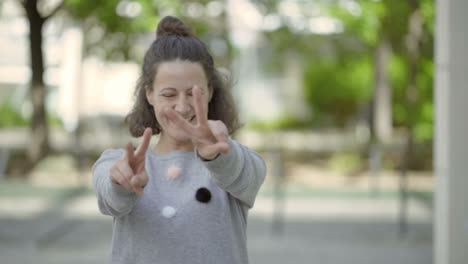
175	41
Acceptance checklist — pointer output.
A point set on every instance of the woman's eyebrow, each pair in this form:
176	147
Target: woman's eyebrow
202	88
171	89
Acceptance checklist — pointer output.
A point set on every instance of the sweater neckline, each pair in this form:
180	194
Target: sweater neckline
171	155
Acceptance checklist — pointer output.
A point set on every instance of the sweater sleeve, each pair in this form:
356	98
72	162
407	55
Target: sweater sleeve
113	199
240	173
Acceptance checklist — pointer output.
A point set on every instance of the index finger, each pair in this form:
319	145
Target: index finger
199	106
129	152
183	124
143	147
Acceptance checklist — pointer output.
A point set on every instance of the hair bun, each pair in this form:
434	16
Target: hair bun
170	25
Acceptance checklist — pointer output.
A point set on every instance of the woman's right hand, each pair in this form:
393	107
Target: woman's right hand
129	171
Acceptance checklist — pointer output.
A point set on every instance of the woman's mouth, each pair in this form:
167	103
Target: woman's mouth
192	120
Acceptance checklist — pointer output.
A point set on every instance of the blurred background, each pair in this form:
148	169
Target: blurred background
336	95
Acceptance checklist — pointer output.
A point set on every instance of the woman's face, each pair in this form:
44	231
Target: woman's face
172	88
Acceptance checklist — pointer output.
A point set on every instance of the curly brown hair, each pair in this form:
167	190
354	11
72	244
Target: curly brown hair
175	41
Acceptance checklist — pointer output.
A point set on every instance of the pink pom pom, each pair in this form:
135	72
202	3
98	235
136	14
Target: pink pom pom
173	172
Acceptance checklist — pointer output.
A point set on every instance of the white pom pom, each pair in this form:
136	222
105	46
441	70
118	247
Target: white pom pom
168	211
173	172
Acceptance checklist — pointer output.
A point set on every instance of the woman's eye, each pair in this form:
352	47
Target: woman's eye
168	95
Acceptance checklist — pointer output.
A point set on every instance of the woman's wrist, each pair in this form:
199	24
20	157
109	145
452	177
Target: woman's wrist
207	158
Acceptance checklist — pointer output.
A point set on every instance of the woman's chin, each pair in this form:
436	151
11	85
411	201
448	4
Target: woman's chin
178	136
172	131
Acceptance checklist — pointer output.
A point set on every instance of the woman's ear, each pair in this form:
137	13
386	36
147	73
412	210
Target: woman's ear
149	95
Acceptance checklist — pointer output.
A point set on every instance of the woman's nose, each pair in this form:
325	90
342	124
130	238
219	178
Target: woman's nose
182	106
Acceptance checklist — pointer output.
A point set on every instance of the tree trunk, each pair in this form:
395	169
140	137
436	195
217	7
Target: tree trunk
382	107
381	122
413	43
38	146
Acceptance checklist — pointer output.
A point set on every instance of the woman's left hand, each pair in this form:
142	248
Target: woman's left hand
210	137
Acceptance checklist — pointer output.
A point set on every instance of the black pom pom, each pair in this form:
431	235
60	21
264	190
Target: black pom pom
203	195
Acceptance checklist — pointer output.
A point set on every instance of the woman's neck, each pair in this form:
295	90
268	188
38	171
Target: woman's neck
167	144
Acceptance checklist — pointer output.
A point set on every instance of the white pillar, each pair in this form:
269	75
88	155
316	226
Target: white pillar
451	129
70	86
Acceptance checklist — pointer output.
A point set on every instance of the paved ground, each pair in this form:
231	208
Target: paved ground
63	226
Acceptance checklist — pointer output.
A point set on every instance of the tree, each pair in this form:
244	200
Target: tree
38	146
119	30
395	37
117	26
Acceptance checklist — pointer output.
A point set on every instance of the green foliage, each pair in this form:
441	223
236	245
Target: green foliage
105	14
10	117
282	123
114	33
424	122
109	34
53	120
338	89
338	72
364	26
420	116
399	78
428	12
345	162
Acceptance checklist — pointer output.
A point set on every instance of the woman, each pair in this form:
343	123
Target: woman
186	199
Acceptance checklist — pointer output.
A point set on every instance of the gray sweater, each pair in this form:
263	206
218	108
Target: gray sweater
174	221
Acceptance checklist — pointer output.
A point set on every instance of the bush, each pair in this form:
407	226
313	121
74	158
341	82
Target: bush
10	117
282	123
346	162
335	90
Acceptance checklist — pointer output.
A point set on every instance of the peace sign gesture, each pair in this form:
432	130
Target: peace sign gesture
129	171
209	137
